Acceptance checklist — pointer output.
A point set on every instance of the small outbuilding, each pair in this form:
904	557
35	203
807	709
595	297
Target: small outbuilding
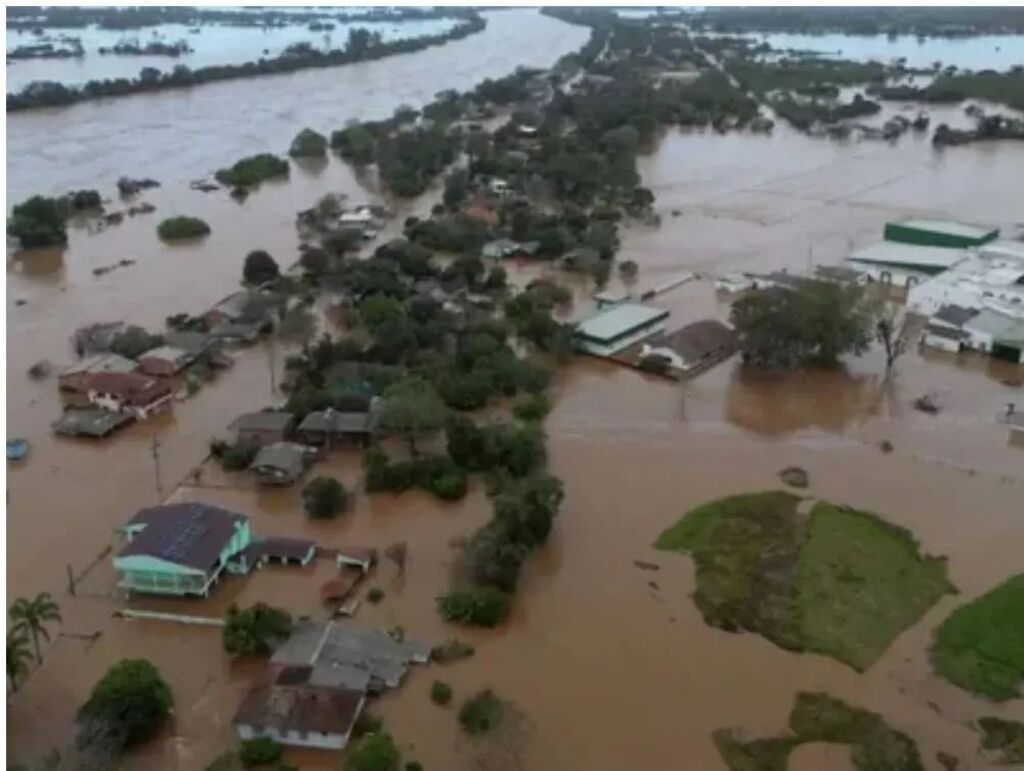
281	463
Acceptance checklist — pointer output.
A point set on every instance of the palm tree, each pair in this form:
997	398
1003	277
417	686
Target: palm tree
33	616
18	656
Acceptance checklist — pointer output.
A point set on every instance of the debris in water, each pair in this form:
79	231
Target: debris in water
17	449
926	404
947	761
127	186
203	186
794	476
886	446
646	565
451	651
40	370
20	302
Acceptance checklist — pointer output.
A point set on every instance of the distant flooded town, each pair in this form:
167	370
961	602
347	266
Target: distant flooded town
522	388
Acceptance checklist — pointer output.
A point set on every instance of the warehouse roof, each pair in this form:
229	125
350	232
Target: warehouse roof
619	320
893	253
949	228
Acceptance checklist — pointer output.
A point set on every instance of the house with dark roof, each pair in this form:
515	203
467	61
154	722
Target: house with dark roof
74	377
945	329
259	429
696	345
180	548
329	427
132	393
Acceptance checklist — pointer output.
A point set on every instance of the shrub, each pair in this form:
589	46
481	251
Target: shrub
366	723
308	144
38	221
177	228
233	457
375	595
251	171
481	713
449	486
80	200
126	707
533	407
259	268
324	498
260	751
451	651
440	692
256	630
375	752
481	606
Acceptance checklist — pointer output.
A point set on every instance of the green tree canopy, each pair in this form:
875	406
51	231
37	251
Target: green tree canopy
308	144
259	268
126	707
256	630
814	323
374	752
411	408
324	498
39	222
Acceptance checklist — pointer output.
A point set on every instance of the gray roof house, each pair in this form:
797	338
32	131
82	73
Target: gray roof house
330	425
281	463
953	316
262	428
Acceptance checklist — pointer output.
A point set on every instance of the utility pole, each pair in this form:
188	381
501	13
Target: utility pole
155	450
270	365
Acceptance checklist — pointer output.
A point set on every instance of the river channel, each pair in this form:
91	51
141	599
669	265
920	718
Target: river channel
610	667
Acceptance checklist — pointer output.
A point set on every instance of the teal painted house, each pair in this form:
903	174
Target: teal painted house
181	549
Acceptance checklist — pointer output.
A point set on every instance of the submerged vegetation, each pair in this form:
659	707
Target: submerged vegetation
361	45
178	228
1003	738
818	717
980	647
251	171
838	582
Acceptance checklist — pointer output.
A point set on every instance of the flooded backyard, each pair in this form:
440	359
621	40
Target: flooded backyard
611	666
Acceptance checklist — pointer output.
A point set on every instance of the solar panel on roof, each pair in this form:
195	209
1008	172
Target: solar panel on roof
191	530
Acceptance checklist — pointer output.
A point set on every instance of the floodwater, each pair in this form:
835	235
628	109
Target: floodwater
989	52
606	670
213	45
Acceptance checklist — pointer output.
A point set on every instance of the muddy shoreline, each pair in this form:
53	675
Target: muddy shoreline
609	672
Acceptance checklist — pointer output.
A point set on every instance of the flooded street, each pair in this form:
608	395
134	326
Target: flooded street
608	671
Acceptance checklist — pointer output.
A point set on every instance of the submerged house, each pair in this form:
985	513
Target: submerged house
610	331
945	329
317	683
695	345
132	393
74	377
281	463
330	427
259	429
180	548
165	361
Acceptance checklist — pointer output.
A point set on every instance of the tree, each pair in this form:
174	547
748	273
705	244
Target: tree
324	498
484	606
374	752
481	713
259	268
126	707
308	144
628	270
411	408
260	751
32	616
37	222
814	323
893	333
440	692
256	630
178	228
456	188
18	656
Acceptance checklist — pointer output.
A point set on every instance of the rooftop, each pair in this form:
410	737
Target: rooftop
268	420
286	457
694	341
912	255
336	422
167	353
619	320
89	422
303	708
190	534
103	362
955	314
130	386
991	323
949	228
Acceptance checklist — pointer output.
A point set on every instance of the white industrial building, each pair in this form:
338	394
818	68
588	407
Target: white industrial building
990	276
611	330
901	264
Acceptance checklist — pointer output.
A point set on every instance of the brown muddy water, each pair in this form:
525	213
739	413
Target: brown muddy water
606	670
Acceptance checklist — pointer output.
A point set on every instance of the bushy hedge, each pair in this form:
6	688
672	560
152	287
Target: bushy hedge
175	228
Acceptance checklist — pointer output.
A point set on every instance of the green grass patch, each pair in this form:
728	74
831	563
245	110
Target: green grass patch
861	581
817	717
980	646
1004	738
839	582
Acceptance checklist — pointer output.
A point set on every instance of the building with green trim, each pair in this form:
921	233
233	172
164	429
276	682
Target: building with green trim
181	549
954	235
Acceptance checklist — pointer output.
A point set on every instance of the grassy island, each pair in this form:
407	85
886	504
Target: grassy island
836	581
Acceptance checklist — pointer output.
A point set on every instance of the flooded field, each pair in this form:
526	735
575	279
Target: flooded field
607	670
210	45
